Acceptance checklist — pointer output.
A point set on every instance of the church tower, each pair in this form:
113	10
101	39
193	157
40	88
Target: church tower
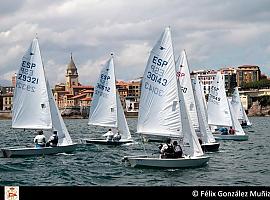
71	75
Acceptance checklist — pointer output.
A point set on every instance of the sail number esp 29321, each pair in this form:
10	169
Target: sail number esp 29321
25	79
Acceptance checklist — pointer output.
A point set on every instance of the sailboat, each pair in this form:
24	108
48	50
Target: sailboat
195	106
239	110
221	113
34	107
106	109
162	110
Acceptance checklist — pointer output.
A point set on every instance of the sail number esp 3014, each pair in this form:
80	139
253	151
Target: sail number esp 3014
155	74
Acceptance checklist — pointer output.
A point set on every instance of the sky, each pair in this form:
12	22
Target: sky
215	34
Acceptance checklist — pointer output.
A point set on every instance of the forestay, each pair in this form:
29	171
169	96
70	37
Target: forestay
31	108
159	103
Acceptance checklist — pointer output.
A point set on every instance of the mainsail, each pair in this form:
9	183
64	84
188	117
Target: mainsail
31	108
103	110
159	102
106	109
218	108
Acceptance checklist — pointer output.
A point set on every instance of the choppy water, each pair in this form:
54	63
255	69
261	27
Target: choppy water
237	163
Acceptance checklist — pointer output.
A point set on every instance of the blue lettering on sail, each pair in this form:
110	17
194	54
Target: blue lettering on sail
23	86
153	89
213	96
26	73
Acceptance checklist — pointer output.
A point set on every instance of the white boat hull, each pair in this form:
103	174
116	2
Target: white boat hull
33	151
186	162
105	142
231	137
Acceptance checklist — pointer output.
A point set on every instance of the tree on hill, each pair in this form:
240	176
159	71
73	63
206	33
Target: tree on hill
261	84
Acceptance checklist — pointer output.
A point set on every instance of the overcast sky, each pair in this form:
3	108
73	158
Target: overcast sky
214	33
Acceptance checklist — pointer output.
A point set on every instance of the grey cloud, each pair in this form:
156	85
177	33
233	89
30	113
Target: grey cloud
215	34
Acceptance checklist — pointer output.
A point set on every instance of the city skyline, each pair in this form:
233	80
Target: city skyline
214	34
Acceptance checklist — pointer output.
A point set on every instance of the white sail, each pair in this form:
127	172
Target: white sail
31	108
57	121
183	74
218	108
236	104
207	136
122	122
245	116
192	146
235	123
103	109
159	102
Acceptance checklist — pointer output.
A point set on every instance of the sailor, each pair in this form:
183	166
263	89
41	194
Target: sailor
40	139
109	135
167	149
178	152
53	140
232	130
116	136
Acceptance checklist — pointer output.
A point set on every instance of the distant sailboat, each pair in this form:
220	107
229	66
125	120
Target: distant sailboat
208	141
106	109
34	107
220	111
239	110
194	103
162	110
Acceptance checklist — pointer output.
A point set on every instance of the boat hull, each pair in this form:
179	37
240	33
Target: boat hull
210	147
105	142
231	137
33	151
186	162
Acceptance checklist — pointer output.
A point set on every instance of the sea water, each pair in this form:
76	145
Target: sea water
238	163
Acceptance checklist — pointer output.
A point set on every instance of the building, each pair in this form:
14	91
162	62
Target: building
247	73
206	78
230	78
6	97
71	96
133	97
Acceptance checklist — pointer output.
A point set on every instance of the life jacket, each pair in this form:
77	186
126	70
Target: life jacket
54	140
170	148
